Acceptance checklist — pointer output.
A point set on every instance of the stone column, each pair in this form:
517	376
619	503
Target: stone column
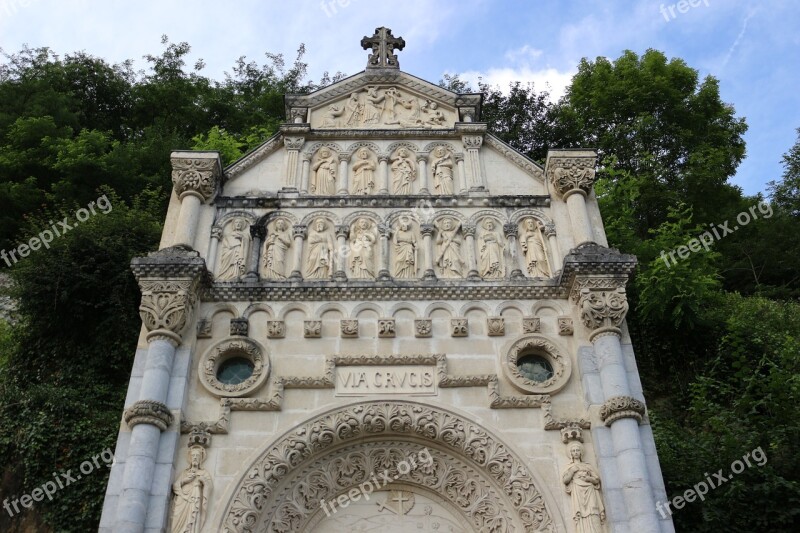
469	233
344	186
305	173
169	281
257	234
342	232
462	173
473	143
573	178
383	169
383	273
216	235
427	244
555	252
511	231
299	231
422	161
293	146
603	305
195	177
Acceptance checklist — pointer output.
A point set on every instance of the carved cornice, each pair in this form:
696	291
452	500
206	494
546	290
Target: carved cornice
620	407
198	176
148	412
279	201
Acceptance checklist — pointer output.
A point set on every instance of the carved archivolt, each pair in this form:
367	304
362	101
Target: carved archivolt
226	349
538	345
471	468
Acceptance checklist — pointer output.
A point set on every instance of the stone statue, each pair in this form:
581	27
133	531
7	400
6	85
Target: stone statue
583	485
391	97
324	182
405	250
354	111
235	245
492	264
275	251
442	169
404	172
363	173
331	116
449	258
191	489
372	113
320	251
362	243
531	241
413	119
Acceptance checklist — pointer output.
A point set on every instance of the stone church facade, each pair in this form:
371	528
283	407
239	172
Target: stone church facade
384	318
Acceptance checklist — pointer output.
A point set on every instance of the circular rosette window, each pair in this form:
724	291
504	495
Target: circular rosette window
234	367
535	365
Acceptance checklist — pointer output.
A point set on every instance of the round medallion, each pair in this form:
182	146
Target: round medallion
234	367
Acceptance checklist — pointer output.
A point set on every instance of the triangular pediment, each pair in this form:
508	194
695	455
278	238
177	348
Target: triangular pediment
386	99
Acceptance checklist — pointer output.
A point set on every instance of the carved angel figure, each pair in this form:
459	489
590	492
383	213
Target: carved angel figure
404	172
372	113
492	264
275	251
362	242
405	251
363	173
324	182
583	485
354	111
320	252
531	241
442	169
235	244
449	258
191	489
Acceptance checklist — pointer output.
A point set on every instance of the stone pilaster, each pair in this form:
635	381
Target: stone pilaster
293	146
472	144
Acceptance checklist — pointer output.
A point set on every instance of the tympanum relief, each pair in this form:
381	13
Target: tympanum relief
383	108
235	248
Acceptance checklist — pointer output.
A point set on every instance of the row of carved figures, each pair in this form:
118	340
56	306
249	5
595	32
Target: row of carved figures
375	106
327	176
366	249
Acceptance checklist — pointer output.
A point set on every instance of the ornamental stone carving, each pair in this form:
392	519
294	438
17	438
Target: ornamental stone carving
167	305
191	491
473	470
423	327
148	412
386	328
276	329
572	174
239	348
382	46
198	177
239	327
603	308
537	345
565	326
622	407
582	483
312	329
459	327
349	328
204	328
531	325
496	326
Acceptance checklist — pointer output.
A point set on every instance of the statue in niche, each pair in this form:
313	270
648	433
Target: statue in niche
191	489
362	244
324	182
363	173
354	111
531	241
392	95
405	250
404	172
583	485
442	169
235	245
492	264
275	251
320	251
449	258
372	111
331	116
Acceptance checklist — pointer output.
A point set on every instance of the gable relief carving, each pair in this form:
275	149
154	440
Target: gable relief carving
378	107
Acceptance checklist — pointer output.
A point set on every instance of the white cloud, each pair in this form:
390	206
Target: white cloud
549	79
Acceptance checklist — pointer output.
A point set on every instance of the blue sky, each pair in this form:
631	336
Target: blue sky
752	47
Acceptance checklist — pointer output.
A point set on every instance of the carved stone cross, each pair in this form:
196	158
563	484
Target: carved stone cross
383	45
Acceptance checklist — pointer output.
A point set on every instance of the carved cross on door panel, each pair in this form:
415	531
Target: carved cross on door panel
383	45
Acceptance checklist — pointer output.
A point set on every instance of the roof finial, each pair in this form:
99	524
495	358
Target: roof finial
383	45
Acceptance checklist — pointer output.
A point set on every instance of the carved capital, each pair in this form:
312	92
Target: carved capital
620	407
472	142
510	230
342	231
344	157
469	230
549	229
197	176
216	232
148	412
603	308
571	174
167	305
300	230
427	230
294	143
383	158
